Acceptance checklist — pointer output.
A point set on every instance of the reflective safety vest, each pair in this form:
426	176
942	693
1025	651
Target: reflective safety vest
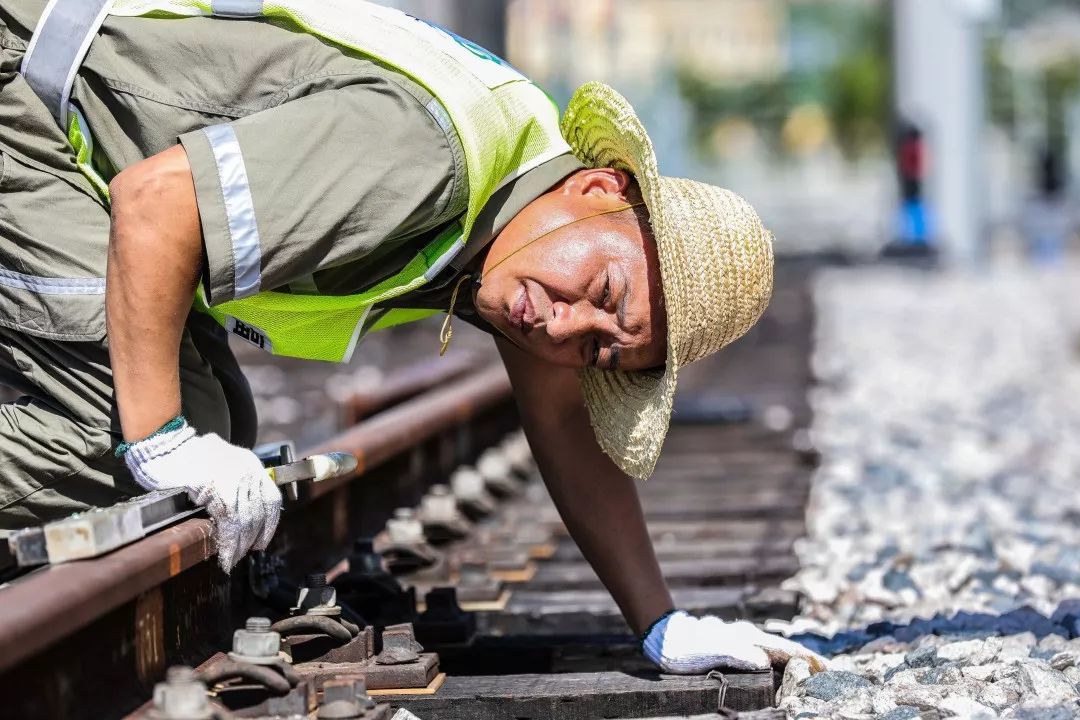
506	125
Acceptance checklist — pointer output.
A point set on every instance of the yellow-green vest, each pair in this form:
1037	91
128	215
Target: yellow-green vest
506	124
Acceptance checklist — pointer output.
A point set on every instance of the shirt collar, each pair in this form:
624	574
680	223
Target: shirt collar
508	201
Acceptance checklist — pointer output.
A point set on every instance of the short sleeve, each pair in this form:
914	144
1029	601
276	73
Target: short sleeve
323	180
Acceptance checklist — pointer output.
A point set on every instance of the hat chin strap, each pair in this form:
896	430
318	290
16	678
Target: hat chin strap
446	333
556	229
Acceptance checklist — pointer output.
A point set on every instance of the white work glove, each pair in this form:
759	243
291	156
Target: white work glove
229	481
682	644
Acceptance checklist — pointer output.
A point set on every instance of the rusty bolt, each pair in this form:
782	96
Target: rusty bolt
399	645
345	699
181	697
256	643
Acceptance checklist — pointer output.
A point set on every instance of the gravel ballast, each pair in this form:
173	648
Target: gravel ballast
944	521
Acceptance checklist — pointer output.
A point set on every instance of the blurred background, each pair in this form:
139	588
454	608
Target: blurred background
849	124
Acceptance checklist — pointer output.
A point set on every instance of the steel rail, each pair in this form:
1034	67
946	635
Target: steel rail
55	601
403	426
406	383
50	604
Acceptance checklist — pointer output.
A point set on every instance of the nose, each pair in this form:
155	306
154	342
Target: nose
574	321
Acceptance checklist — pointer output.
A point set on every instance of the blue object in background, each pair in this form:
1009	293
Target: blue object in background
913	223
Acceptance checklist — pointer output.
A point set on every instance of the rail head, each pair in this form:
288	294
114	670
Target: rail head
408	382
396	430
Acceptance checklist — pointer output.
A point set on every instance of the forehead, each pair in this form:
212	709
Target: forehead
602	237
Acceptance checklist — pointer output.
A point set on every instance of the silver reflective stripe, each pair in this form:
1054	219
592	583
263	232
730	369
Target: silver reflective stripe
60	42
439	113
239	208
444	259
237	8
52	286
357	333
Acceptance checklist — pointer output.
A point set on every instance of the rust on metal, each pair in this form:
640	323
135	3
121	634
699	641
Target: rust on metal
324	649
150	635
406	383
417	674
54	602
50	604
404	426
157	604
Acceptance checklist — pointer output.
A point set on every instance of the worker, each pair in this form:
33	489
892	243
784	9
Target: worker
299	174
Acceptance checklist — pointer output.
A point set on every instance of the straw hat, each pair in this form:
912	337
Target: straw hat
716	268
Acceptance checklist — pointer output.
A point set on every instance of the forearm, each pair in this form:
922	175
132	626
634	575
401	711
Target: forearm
598	503
600	507
154	261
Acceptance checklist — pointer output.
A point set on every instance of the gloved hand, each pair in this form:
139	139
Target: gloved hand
229	481
682	644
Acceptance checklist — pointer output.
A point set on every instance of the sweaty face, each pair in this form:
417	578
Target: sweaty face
573	280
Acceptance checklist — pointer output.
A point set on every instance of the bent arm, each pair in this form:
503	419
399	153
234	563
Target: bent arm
598	502
154	262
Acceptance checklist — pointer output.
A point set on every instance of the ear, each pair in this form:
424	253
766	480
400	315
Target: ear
598	182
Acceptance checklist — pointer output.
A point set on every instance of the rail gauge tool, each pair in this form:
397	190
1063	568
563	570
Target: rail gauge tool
96	532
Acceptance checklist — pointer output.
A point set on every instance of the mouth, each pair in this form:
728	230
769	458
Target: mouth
516	313
522	313
529	316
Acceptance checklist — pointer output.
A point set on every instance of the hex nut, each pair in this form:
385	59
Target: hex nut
317	600
404	528
256	643
181	697
468	484
493	465
439	508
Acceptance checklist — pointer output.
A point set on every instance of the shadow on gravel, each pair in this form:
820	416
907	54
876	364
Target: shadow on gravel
1065	622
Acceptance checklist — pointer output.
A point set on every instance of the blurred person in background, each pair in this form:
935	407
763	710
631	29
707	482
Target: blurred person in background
1046	221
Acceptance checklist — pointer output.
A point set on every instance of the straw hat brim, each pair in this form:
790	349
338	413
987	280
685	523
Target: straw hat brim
629	410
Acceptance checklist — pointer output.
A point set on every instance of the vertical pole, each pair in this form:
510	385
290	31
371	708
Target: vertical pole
939	88
482	21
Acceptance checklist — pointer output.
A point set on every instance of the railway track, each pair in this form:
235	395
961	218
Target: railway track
444	496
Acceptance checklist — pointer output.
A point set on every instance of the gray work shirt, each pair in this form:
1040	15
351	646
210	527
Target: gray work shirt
351	167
